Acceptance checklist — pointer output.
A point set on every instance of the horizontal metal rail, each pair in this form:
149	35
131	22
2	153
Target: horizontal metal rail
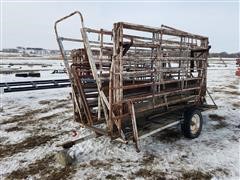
34	85
20	83
159	129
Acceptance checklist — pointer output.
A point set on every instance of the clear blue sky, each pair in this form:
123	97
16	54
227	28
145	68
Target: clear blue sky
31	24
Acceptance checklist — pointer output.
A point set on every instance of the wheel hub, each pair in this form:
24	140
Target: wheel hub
195	123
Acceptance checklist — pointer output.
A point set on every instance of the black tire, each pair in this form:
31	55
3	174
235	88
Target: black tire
192	124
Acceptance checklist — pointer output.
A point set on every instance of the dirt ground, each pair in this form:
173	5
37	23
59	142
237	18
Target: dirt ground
33	123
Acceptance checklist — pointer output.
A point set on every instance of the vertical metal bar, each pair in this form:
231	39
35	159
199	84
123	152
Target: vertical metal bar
100	74
120	73
134	125
84	100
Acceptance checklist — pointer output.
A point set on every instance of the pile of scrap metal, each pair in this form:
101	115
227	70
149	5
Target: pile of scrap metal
123	80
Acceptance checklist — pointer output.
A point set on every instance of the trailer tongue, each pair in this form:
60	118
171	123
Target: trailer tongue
137	80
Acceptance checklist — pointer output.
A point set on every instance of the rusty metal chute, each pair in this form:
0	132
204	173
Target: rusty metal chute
132	72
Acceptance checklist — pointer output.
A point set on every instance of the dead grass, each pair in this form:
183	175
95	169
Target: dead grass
216	117
34	120
148	174
63	100
48	117
194	174
183	174
221	171
43	102
169	136
232	86
61	173
2	139
34	168
220	120
15	128
26	116
60	105
99	164
143	173
45	118
45	169
220	125
232	93
229	92
236	105
148	159
215	89
114	176
28	143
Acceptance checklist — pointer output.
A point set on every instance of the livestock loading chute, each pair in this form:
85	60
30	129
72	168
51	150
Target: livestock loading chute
136	80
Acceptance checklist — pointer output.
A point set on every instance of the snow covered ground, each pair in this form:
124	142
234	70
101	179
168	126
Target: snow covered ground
44	67
32	124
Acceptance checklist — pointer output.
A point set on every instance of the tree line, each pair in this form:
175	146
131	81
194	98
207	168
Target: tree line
225	55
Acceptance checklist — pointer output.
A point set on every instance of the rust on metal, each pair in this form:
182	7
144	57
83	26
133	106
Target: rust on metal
134	70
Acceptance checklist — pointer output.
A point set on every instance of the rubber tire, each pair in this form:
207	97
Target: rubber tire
185	126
